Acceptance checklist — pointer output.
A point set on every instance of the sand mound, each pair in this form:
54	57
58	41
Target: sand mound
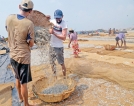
98	69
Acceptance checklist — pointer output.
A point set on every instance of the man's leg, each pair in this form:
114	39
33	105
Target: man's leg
117	44
24	93
26	77
18	86
60	58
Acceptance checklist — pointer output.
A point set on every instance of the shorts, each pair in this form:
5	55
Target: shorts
22	71
56	53
117	38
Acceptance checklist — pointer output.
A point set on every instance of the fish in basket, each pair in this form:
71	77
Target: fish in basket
55	92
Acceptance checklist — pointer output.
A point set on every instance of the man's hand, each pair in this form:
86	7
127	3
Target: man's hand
51	31
60	36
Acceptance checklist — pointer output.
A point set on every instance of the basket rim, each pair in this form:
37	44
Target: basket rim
63	93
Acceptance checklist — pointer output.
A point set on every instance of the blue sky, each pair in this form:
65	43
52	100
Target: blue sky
79	14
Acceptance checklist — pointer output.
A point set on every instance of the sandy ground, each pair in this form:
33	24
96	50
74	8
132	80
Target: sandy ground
104	78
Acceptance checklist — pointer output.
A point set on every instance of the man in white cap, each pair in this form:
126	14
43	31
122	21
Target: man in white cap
20	39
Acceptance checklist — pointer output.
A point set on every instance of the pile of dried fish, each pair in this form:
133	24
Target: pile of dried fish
56	89
42	36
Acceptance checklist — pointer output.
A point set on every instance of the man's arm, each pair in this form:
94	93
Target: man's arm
124	40
31	42
61	36
70	40
31	35
125	44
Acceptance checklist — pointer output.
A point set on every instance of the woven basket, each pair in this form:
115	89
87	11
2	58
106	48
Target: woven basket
110	47
41	84
41	25
39	19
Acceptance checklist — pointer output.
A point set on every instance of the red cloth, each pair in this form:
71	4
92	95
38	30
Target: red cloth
75	47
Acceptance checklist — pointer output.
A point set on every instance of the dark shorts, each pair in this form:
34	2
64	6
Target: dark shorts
56	53
117	38
22	71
